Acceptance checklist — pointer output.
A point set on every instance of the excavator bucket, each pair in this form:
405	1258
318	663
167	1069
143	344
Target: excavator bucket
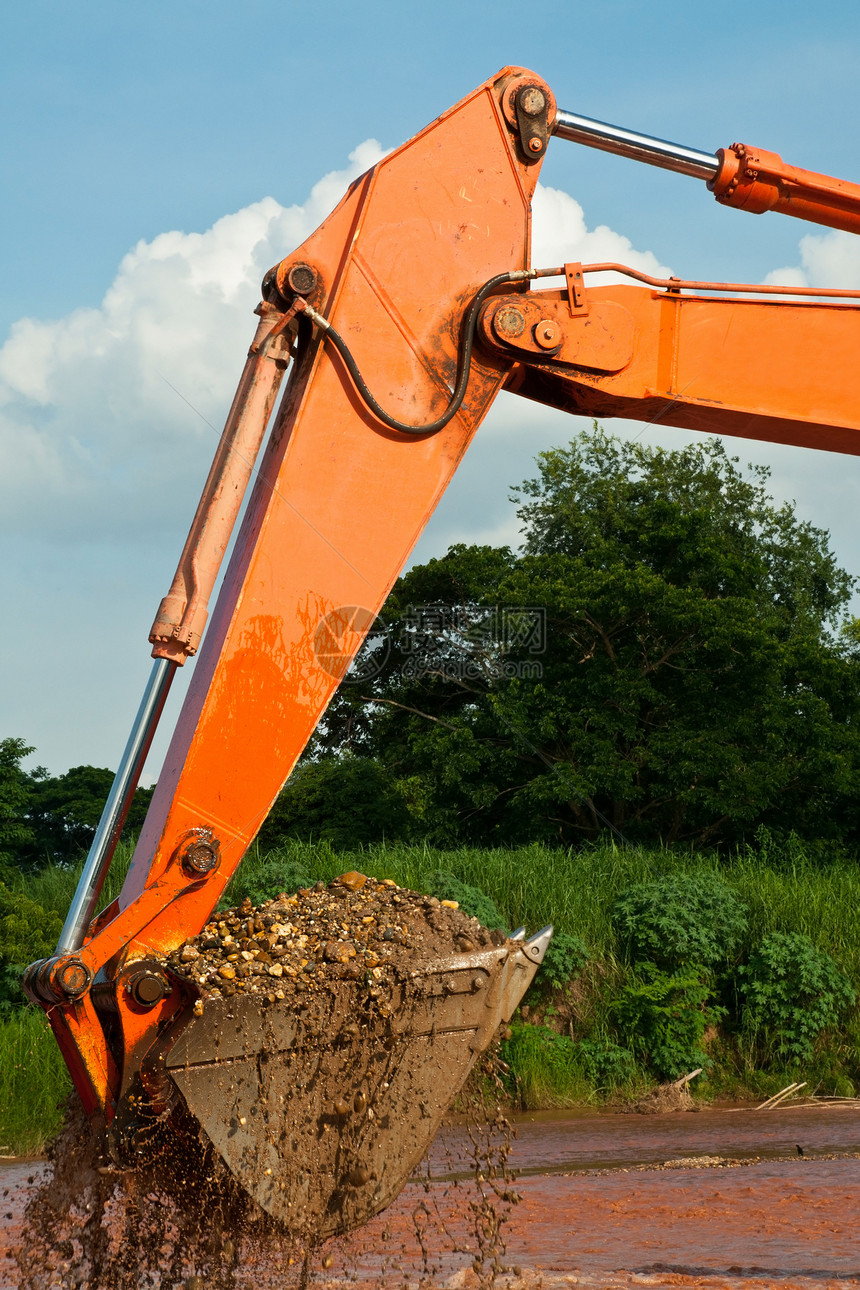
321	1113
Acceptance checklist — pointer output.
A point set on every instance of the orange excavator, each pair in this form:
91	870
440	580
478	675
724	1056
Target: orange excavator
402	317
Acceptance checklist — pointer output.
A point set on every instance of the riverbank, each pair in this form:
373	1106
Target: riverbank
604	1200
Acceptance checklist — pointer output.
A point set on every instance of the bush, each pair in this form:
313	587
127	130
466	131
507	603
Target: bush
544	1067
265	879
663	1016
27	932
474	902
605	1064
680	920
792	993
549	1069
565	958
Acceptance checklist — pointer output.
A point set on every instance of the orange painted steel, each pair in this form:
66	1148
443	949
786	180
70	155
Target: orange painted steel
181	618
341	500
688	284
93	1067
756	180
774	370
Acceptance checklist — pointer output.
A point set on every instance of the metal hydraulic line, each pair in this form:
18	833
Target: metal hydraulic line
749	178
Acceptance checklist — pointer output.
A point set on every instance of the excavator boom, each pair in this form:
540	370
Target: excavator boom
403	316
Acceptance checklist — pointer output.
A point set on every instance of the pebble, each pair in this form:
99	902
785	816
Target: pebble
353	928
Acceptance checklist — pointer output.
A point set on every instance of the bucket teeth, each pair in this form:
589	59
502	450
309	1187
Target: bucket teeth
518	935
536	946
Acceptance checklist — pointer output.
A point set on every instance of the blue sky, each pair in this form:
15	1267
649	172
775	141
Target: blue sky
126	131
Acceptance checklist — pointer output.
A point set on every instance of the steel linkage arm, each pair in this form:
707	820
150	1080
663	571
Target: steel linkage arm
771	368
412	311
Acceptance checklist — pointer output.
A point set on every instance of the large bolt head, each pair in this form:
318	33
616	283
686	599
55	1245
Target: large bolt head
147	988
548	334
200	858
302	279
532	100
199	852
508	322
72	978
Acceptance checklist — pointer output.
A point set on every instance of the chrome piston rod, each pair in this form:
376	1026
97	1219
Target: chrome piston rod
639	147
125	782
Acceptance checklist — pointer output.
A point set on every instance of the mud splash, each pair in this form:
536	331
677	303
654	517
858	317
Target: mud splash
183	1223
176	1222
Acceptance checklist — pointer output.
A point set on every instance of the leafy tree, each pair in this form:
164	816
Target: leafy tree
347	802
15	832
688	683
64	812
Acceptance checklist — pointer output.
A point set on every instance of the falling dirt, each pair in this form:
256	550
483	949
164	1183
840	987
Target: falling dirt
323	1036
184	1224
320	1041
714	1200
91	1225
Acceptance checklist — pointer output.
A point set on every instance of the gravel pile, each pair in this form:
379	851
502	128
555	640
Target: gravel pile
354	928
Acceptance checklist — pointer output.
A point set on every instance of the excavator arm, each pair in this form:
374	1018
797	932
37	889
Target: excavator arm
403	316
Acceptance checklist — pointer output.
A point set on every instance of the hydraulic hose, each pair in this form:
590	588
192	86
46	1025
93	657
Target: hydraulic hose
463	368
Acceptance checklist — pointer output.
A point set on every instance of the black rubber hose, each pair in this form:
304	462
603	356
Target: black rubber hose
464	366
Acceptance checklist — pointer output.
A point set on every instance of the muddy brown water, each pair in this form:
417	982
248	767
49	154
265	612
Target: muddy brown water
598	1209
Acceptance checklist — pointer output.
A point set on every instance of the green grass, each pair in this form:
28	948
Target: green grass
34	1082
54	886
784	889
576	891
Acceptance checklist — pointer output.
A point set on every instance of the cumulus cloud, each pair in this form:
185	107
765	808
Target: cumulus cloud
95	445
92	436
826	260
103	412
560	234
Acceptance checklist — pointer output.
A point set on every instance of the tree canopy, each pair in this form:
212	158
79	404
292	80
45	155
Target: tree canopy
660	658
53	817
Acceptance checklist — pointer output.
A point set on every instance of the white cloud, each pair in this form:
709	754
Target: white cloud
95	446
94	441
92	437
560	234
826	260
